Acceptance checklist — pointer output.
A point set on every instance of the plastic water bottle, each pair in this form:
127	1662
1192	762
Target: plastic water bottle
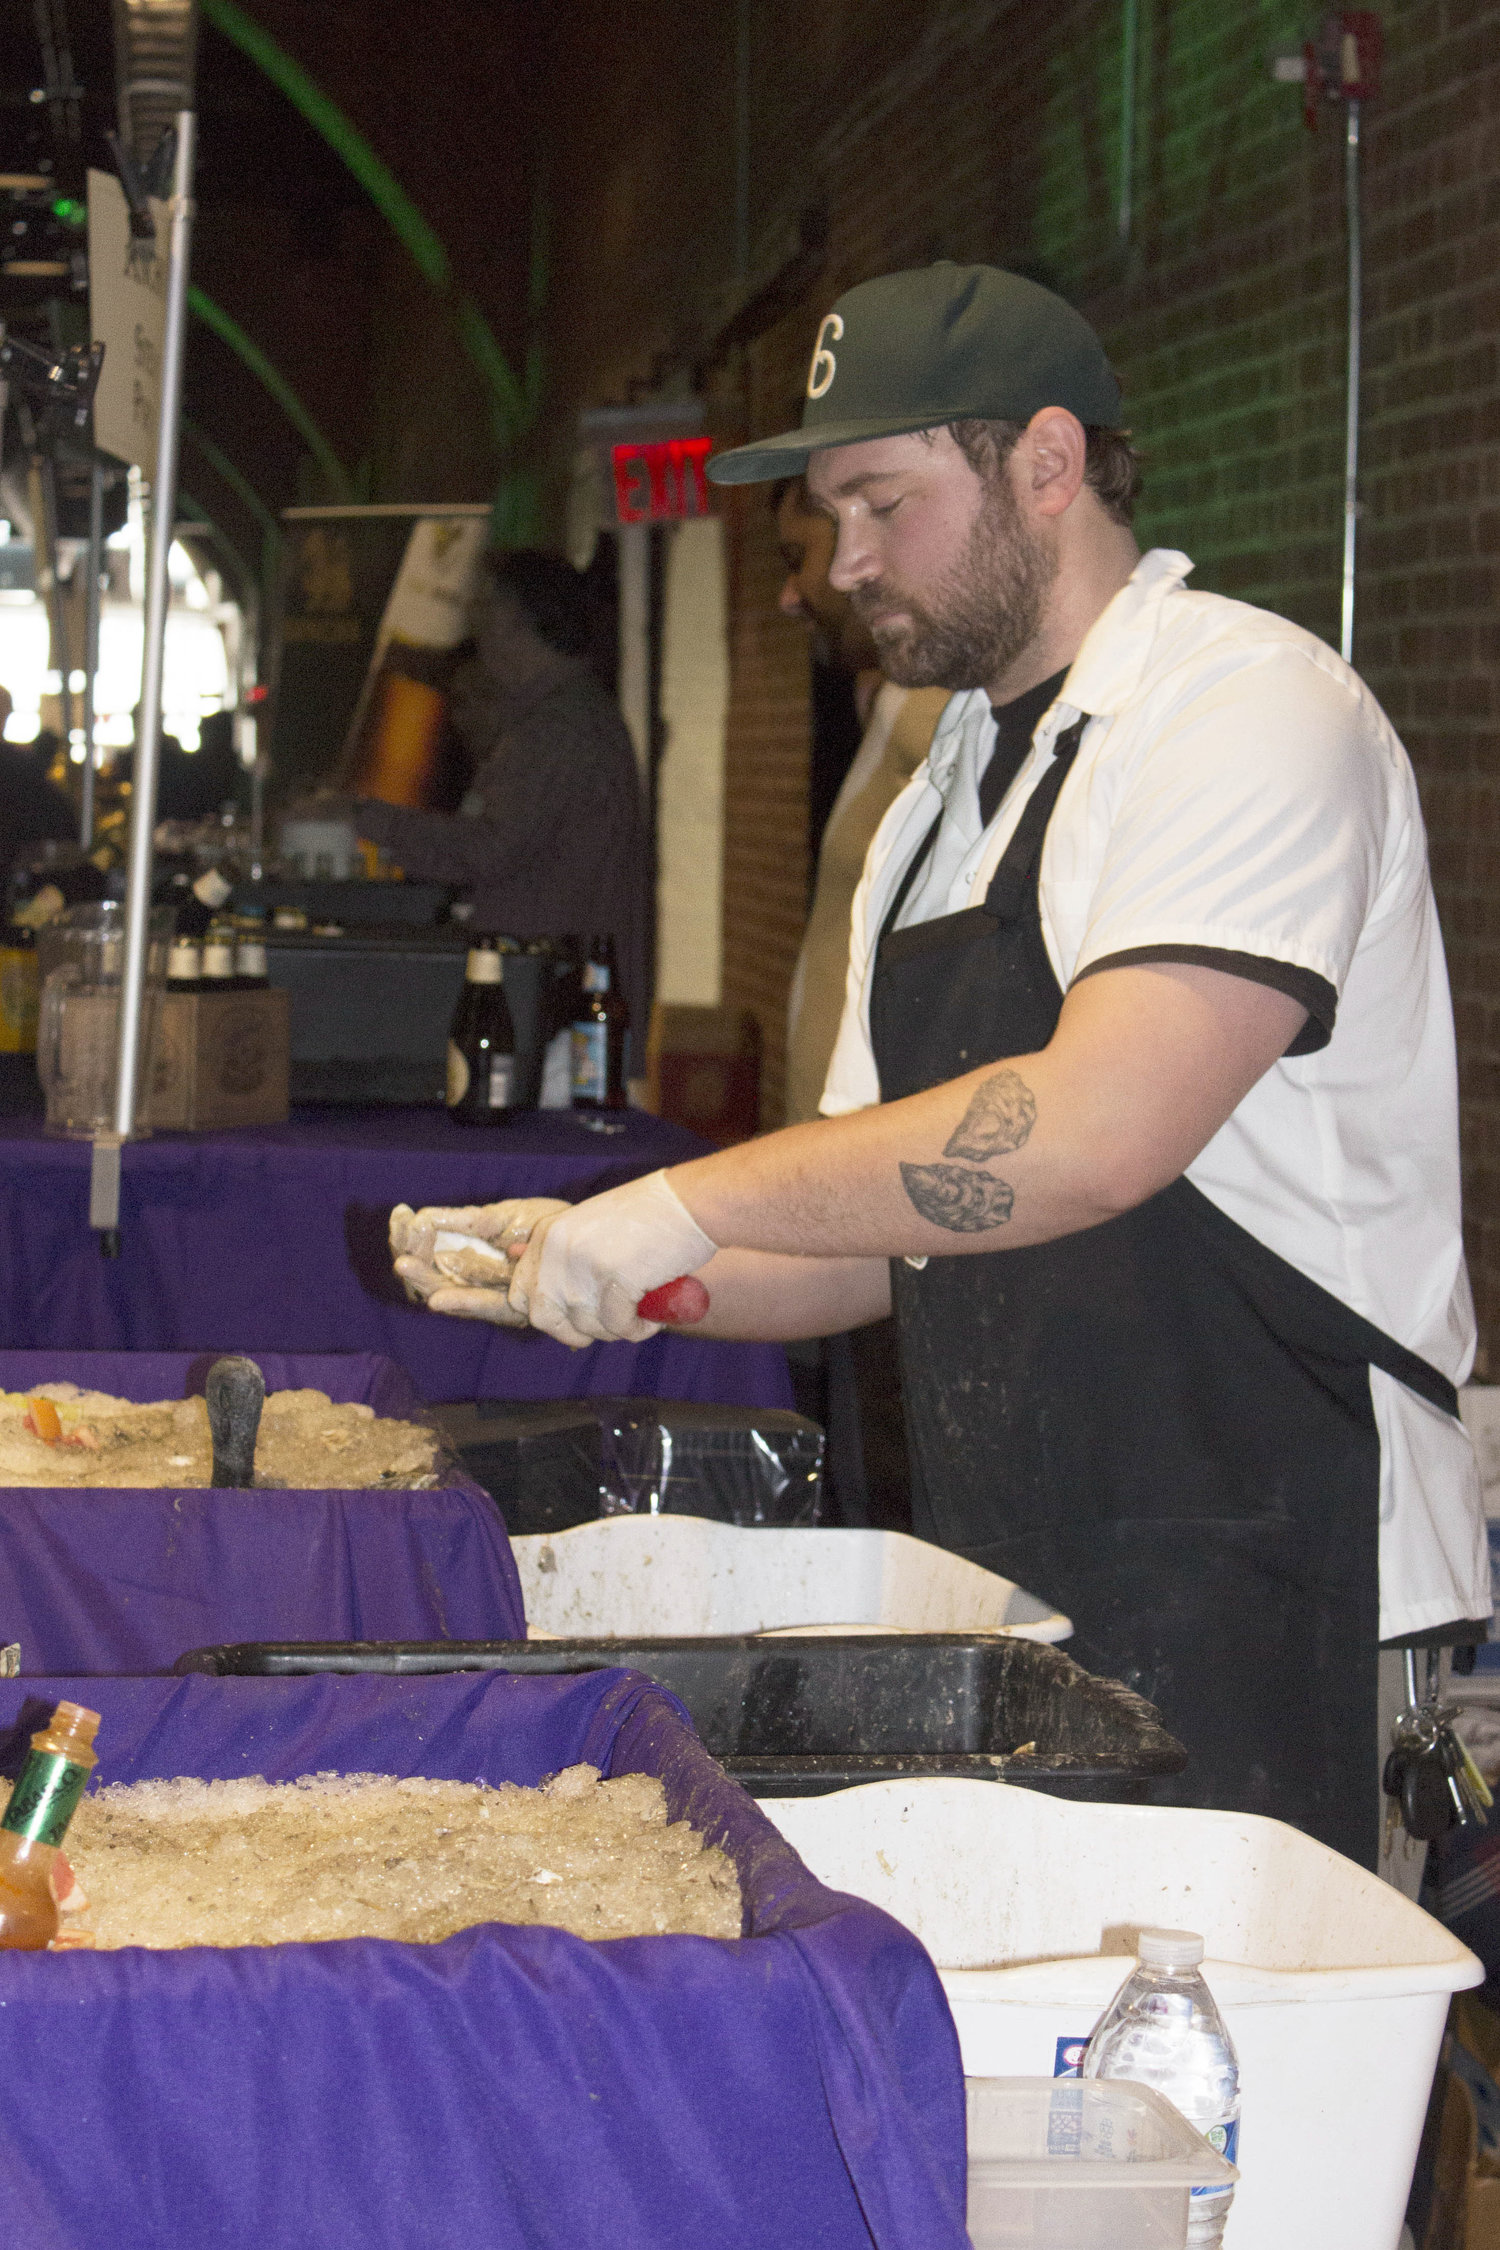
1163	2030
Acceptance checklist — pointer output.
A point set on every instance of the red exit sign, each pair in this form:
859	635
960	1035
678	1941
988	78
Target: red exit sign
661	482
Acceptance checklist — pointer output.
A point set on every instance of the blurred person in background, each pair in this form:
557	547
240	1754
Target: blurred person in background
33	809
897	725
860	1400
550	839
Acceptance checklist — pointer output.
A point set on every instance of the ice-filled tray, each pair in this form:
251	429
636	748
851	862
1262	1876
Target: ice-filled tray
122	1580
515	2087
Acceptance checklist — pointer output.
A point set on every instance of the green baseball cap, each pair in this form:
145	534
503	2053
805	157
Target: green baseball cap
938	344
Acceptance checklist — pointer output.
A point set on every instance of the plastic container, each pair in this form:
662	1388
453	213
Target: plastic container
1333	1986
790	1716
651	1575
80	961
557	1463
1063	2164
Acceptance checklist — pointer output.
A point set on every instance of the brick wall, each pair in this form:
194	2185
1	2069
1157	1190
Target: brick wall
990	129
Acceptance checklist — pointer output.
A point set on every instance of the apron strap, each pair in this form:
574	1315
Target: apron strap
1012	876
1012	882
903	888
1301	1310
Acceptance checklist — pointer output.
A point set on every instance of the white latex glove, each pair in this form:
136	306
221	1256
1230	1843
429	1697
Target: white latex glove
585	1269
443	1271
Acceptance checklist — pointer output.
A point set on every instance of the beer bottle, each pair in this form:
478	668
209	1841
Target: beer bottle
599	1032
184	965
481	1042
250	959
36	1821
218	959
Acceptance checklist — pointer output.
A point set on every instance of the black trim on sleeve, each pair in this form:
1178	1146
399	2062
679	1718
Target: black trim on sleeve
1313	992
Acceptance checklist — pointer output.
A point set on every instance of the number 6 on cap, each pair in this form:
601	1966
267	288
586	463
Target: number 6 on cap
824	366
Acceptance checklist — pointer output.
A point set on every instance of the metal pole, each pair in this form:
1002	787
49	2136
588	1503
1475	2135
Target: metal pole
148	734
91	649
47	481
1351	402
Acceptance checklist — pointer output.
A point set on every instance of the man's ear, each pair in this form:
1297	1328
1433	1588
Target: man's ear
1051	458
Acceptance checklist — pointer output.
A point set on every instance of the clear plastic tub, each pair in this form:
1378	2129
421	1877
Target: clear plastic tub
1081	2164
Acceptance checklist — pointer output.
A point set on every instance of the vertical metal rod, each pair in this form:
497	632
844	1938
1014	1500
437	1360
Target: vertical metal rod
148	734
91	649
47	478
742	142
1129	43
1351	399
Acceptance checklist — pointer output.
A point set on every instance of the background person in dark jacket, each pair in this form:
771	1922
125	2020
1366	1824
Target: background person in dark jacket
32	808
550	839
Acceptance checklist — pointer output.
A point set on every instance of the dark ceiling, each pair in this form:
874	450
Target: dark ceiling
289	245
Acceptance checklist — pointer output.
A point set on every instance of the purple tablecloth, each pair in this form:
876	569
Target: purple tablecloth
125	1581
274	1238
512	2088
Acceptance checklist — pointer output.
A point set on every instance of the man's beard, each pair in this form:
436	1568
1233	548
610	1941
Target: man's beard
979	617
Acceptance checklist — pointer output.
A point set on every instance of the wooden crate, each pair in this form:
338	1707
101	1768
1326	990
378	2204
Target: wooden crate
221	1059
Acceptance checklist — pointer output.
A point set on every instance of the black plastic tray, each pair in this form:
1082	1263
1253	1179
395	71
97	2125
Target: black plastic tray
798	1716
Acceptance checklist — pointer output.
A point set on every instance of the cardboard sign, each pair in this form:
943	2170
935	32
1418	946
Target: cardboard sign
363	587
128	306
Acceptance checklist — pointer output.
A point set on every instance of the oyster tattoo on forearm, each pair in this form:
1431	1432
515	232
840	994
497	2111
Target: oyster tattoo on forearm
958	1197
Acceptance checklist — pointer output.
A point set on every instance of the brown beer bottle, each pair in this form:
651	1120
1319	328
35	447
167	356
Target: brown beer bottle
36	1820
599	1030
481	1042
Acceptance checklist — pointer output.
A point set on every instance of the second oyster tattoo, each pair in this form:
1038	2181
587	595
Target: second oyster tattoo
957	1197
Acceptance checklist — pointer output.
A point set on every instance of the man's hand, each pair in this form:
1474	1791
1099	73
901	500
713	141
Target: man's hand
448	1275
586	1268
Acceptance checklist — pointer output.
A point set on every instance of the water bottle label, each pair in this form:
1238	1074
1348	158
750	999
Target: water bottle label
1065	2120
502	1073
591	1062
1224	2140
1068	2061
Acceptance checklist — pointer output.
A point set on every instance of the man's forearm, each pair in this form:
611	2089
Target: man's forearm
757	1297
438	847
1145	1066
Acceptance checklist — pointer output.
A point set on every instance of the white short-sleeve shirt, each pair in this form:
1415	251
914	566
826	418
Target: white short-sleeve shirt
1238	789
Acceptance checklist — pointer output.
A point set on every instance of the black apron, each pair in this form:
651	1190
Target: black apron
1157	1424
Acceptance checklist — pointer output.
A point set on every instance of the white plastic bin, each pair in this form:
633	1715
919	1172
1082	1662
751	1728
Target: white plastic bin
640	1576
1334	1986
1065	2164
